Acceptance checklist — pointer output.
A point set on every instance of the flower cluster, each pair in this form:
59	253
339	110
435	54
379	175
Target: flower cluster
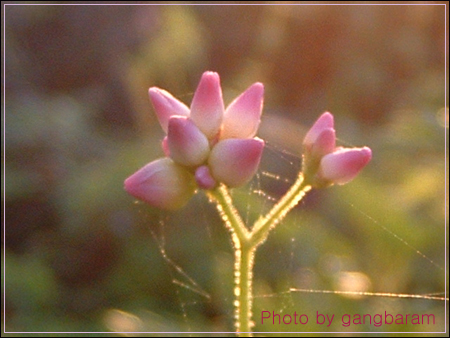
205	145
325	164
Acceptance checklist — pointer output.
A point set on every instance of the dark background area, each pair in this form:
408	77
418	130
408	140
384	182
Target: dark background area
81	255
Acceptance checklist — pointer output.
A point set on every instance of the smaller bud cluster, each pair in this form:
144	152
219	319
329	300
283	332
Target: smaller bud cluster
325	164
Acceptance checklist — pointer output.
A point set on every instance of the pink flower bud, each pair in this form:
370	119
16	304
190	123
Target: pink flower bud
162	184
187	144
242	116
166	106
324	144
343	165
207	105
235	161
204	179
325	121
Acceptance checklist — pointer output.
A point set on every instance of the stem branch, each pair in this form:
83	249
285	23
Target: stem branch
245	243
279	211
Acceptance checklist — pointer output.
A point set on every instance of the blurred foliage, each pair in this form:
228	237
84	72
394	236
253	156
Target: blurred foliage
81	255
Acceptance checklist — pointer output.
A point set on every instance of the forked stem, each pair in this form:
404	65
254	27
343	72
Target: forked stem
245	243
243	260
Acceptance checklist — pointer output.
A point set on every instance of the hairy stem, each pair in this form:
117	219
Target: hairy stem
279	211
243	260
245	243
229	214
243	274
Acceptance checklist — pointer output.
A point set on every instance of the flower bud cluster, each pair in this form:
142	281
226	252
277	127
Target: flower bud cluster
325	164
205	144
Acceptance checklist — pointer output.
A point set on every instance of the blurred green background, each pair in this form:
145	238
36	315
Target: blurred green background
81	255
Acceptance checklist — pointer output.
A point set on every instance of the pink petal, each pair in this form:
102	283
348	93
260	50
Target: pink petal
166	106
325	143
165	146
187	144
325	121
207	105
242	117
344	165
204	179
235	161
162	184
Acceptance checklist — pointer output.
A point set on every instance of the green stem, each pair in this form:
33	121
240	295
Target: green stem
243	260
243	271
279	211
229	213
245	243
